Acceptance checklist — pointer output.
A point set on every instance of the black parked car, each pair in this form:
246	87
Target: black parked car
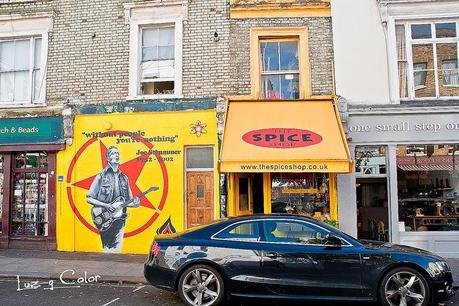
288	256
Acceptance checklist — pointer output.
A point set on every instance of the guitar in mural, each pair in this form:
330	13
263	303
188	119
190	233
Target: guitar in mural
110	195
103	218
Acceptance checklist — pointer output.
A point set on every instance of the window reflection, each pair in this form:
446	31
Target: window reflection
420	31
279	69
370	160
433	52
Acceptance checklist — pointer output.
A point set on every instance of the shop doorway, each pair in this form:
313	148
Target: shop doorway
199	175
372	209
28	199
249	194
200	196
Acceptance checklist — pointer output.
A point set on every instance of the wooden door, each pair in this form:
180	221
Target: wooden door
200	198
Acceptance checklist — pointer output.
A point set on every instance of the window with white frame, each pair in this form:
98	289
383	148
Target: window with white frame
157	64
427	54
155	49
21	75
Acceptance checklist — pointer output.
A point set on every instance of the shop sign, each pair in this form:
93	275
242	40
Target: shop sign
31	130
403	128
299	190
283	138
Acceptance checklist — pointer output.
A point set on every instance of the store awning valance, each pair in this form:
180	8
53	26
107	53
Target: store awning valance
284	136
425	163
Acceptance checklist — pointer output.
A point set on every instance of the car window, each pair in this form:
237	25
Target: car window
242	231
294	232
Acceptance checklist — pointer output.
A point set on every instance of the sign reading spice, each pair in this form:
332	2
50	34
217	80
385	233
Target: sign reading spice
283	138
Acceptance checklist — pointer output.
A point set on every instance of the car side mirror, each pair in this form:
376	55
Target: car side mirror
332	242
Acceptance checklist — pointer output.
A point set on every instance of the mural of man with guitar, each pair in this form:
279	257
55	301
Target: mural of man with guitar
110	195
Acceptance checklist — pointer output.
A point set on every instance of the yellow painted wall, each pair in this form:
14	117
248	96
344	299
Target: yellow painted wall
80	162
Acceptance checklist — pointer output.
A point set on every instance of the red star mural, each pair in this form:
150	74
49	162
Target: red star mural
131	168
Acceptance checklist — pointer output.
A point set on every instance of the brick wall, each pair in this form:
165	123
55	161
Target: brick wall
320	43
206	63
88	53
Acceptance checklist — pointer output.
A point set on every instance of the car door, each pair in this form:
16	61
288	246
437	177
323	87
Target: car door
295	261
239	254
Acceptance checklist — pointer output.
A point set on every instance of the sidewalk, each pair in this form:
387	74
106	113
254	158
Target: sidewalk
110	267
51	264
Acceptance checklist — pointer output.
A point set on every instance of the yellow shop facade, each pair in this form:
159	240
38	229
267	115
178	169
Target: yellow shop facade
285	159
158	168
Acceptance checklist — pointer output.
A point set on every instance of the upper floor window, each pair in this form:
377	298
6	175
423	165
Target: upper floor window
158	60
155	61
427	54
20	73
280	63
280	72
23	59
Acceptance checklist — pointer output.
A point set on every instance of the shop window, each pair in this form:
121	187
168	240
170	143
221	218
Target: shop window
199	158
279	69
21	70
427	59
30	195
278	72
301	193
428	187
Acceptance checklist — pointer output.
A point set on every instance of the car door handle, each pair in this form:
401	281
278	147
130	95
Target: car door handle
271	254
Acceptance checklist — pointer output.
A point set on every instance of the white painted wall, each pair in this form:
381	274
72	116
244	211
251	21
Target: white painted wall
361	66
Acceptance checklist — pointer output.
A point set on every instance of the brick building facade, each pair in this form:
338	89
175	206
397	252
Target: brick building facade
95	59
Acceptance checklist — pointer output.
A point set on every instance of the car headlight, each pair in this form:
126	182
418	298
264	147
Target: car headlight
437	268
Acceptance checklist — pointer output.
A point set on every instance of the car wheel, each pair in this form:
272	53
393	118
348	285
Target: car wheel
201	285
404	287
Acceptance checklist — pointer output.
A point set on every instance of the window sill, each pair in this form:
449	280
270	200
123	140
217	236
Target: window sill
428	102
153	97
22	105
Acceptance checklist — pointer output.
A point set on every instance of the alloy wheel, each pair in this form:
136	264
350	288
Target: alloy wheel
201	287
404	289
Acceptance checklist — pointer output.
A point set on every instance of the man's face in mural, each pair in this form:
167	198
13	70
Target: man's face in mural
113	156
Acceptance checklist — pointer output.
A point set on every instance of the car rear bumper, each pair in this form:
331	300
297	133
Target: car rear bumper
443	288
160	277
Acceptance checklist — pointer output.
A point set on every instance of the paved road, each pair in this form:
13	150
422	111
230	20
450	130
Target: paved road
100	294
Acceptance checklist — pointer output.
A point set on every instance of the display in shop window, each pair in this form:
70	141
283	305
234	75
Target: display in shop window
301	193
428	186
30	195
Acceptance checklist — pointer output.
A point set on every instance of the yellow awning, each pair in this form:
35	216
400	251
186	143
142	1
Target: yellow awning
284	136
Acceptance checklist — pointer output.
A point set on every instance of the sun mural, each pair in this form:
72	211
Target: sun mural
198	128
